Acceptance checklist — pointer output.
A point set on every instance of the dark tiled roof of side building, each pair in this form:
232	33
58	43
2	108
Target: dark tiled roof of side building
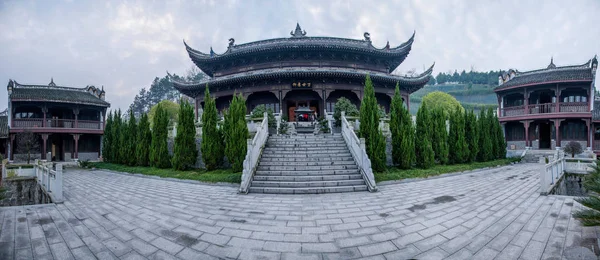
89	95
552	73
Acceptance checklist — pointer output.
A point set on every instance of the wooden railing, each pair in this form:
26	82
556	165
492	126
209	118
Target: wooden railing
359	153
56	123
596	145
51	180
513	111
564	107
253	153
574	107
541	108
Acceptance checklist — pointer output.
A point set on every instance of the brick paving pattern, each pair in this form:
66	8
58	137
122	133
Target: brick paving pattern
490	214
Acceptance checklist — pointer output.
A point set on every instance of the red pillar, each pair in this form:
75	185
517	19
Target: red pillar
526	123
76	153
557	131
76	112
526	102
44	111
44	151
557	94
587	123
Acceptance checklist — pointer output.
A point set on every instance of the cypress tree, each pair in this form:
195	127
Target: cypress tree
439	136
369	127
144	140
485	142
124	142
458	145
472	135
396	121
236	133
423	148
184	150
159	152
132	132
116	136
499	143
107	139
407	146
212	143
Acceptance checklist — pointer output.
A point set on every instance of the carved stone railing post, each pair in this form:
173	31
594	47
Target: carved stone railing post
253	153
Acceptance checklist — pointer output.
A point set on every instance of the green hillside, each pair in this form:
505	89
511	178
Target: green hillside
475	97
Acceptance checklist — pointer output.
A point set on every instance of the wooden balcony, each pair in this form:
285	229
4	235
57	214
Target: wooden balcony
38	124
546	108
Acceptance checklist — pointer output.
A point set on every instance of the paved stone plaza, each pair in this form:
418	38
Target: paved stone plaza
495	213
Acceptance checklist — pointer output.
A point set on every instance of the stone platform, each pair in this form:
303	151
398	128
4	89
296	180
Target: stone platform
494	213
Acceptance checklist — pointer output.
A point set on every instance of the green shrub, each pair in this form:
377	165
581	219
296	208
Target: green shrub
236	133
283	125
343	104
324	125
144	140
159	152
425	157
212	146
573	148
258	112
185	153
369	128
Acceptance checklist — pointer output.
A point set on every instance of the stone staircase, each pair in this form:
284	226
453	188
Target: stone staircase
304	164
534	156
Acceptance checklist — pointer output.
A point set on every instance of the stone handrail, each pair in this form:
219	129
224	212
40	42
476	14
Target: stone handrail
50	180
551	173
278	120
329	118
579	165
253	153
357	149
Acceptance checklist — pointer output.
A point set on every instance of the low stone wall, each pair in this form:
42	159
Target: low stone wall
19	157
515	145
23	191
93	156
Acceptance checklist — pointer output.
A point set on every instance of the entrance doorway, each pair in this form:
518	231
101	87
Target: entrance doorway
545	136
57	152
301	98
293	105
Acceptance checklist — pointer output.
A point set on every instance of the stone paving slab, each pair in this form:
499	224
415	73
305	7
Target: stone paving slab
494	213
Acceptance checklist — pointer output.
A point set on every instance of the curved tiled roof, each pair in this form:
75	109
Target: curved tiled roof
3	125
551	73
53	93
300	42
410	83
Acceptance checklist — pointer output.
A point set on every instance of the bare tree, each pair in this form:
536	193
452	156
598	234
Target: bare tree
27	142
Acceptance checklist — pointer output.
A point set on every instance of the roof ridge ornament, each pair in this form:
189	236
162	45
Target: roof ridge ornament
551	65
212	53
52	84
298	32
231	43
367	36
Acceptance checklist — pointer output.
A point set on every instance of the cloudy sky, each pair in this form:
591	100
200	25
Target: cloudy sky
123	45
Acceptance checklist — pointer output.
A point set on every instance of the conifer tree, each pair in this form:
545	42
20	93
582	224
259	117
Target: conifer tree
369	127
439	136
472	135
144	140
184	150
423	148
159	152
407	146
236	133
117	131
457	134
212	146
485	142
132	132
107	141
124	142
499	143
396	121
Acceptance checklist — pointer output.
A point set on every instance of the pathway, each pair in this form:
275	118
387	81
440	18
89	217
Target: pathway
494	213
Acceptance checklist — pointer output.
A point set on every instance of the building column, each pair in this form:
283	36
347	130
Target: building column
526	102
44	142
76	150
11	155
103	119
557	105
526	124
589	141
324	98
76	113
44	111
557	123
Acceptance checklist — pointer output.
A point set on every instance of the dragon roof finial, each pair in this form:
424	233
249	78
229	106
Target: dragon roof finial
231	42
367	36
298	32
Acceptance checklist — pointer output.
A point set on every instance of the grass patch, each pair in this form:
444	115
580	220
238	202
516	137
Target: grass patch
221	175
393	173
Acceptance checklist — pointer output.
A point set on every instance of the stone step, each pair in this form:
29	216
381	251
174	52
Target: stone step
306	168
311	190
311	163
306	155
305	159
306	184
260	172
287	142
305	149
294	146
307	137
292	178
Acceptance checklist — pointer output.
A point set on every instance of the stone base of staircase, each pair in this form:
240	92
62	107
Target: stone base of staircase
307	164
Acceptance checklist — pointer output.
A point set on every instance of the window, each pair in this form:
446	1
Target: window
573	131
515	133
